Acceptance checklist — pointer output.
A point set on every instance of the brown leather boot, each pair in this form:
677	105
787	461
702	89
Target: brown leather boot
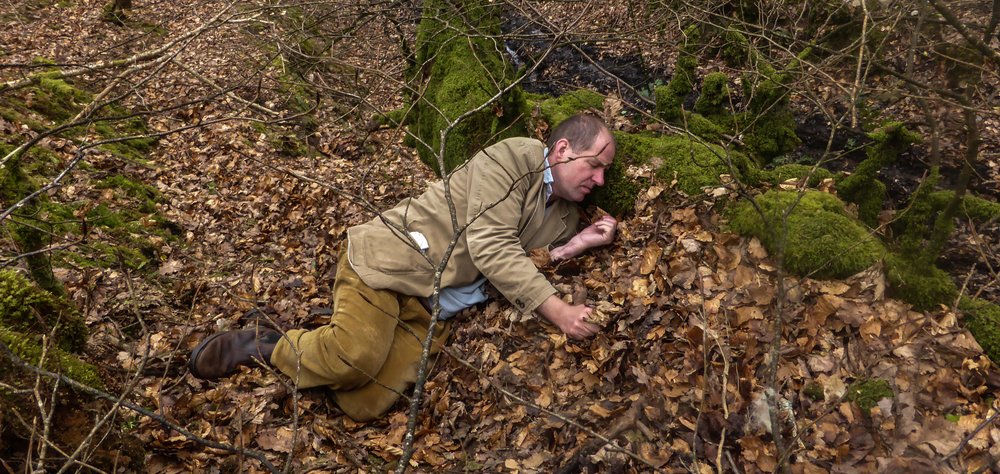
222	353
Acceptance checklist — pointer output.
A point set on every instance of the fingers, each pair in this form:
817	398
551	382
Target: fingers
581	328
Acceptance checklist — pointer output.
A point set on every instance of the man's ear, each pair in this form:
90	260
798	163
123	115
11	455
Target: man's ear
560	150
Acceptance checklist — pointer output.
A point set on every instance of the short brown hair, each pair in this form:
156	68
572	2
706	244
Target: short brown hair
580	130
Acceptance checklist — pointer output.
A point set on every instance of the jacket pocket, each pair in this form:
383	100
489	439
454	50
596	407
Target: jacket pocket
395	258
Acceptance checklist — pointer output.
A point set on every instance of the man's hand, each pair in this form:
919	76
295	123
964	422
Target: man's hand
599	233
570	319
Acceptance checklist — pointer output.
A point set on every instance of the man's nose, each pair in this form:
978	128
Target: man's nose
599	177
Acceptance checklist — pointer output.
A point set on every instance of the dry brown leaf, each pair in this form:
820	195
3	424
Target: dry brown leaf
650	257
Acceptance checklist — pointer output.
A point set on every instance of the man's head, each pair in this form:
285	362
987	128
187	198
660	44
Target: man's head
580	149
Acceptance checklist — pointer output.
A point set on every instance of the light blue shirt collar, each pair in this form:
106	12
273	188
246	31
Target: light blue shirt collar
547	175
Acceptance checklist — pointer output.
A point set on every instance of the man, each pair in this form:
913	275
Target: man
514	196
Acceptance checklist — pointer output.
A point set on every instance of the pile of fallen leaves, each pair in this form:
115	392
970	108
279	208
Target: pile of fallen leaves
703	332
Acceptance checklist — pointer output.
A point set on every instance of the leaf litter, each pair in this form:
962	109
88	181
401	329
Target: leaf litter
676	381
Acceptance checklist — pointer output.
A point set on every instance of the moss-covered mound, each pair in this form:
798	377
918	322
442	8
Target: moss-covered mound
813	175
982	319
822	241
769	127
919	283
29	349
556	109
670	98
129	226
694	165
29	309
458	69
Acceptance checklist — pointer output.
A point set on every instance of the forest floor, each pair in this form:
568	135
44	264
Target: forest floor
676	382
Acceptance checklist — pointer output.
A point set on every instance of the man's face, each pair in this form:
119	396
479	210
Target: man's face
577	172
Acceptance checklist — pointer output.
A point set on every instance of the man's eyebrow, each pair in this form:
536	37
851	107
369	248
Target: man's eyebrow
595	159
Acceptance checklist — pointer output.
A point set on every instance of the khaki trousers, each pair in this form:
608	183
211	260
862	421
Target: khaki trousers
370	351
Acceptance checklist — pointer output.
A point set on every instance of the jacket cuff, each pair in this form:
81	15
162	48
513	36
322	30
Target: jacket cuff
530	302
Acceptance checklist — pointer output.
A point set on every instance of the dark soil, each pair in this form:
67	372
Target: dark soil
565	68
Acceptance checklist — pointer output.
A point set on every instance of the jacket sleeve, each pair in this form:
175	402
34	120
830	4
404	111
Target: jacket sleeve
498	192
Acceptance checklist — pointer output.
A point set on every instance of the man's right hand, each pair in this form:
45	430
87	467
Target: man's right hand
570	319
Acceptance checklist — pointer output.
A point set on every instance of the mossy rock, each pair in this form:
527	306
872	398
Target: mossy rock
458	68
771	135
822	242
556	109
29	309
769	124
982	319
919	283
867	393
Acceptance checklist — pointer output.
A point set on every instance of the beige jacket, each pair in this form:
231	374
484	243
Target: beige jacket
503	186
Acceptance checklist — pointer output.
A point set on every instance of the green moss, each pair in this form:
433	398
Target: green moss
27	308
29	349
821	240
670	98
698	125
783	173
101	215
28	235
57	100
736	50
130	188
458	68
770	125
973	207
814	391
912	225
862	187
555	110
715	96
693	164
867	393
771	135
982	319
918	282
393	118
619	192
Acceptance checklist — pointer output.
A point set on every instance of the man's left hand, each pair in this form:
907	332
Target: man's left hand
599	233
